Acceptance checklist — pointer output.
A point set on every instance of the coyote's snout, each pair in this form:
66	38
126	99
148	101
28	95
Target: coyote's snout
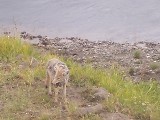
57	75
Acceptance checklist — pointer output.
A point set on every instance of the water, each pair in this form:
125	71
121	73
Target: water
116	20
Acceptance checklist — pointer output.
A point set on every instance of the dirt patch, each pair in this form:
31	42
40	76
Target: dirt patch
114	116
1	105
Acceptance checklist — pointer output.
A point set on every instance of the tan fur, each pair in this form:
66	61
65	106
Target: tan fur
57	74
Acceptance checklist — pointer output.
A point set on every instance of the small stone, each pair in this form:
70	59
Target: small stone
101	93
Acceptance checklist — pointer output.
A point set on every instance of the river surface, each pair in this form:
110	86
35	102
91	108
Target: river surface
116	20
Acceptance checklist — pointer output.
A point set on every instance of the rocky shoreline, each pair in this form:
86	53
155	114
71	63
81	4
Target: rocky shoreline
141	60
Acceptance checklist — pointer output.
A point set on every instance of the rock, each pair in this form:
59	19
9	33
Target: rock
23	32
89	110
39	36
45	41
101	94
7	33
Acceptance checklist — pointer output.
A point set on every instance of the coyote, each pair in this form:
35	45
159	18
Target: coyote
57	74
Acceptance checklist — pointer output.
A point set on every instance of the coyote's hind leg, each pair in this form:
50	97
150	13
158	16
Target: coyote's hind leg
50	77
47	80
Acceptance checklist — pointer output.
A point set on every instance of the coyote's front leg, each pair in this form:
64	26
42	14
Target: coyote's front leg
48	82
56	90
64	93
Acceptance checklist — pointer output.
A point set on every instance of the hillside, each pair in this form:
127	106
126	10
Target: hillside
23	94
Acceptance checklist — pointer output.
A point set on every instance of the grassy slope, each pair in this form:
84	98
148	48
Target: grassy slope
22	90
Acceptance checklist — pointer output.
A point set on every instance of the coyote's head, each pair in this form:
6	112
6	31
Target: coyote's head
61	74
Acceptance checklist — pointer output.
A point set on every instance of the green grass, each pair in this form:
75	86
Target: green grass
137	54
23	94
11	49
140	100
154	65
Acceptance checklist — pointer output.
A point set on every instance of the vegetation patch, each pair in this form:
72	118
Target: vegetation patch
154	65
137	54
131	71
